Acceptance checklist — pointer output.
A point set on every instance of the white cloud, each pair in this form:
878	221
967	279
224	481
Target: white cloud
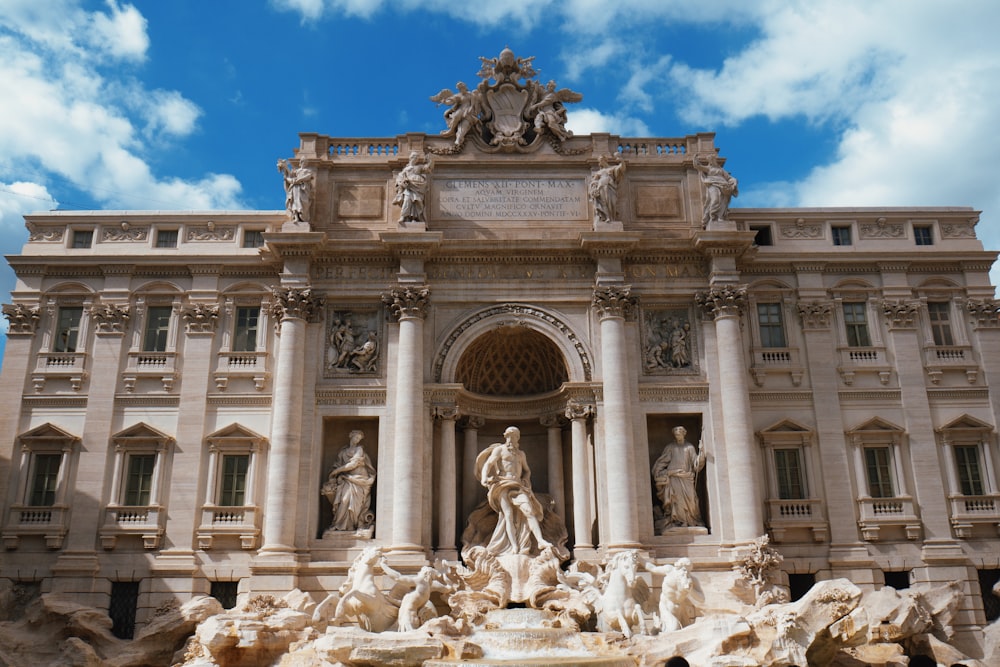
589	121
66	116
19	198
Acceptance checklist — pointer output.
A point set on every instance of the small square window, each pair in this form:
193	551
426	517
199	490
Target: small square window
923	235
253	238
166	238
841	235
898	579
83	238
763	235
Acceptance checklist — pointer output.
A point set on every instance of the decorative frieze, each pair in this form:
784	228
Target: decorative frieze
408	301
723	300
211	232
110	318
21	318
668	342
985	312
353	342
815	314
45	234
298	302
882	229
124	233
614	301
901	313
200	317
959	230
801	229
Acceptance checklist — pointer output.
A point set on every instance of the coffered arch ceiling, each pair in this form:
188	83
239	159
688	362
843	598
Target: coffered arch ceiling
512	361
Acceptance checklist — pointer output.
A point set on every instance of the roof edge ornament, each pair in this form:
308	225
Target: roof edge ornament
508	111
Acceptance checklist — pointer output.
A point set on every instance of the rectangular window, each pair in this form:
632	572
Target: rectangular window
763	235
772	331
83	238
923	235
139	479
245	333
233	487
253	238
939	314
788	468
841	235
157	327
970	477
44	480
67	329
879	467
856	322
166	238
225	592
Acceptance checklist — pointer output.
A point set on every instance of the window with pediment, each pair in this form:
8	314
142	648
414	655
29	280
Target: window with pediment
795	511
138	477
971	475
231	509
886	508
44	471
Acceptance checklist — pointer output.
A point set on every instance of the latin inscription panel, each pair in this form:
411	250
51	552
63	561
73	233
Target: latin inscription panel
512	199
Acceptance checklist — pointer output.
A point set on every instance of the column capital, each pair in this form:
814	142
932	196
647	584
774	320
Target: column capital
901	313
295	302
22	318
576	410
474	422
722	300
614	301
985	313
553	420
815	315
111	318
408	302
200	317
446	412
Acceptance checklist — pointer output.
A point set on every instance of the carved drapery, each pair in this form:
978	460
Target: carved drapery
110	318
298	302
723	300
406	302
200	317
815	314
901	313
985	312
614	301
22	319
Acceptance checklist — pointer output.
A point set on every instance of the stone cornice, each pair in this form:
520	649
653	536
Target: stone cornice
420	245
608	244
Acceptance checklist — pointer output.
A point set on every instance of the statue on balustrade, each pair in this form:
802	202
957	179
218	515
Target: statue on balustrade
512	520
720	188
411	188
298	190
675	474
349	487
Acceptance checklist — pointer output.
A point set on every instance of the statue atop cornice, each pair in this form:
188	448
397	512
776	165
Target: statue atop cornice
509	110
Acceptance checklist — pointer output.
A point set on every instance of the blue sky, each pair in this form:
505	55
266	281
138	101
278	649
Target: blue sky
106	104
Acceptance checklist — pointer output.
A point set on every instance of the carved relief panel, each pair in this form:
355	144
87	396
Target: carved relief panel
353	344
669	341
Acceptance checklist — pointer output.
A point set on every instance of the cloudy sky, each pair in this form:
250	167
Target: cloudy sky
187	105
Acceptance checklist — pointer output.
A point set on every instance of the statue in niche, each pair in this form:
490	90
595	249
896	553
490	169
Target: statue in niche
463	116
603	189
669	343
298	190
349	486
675	474
411	188
512	521
720	187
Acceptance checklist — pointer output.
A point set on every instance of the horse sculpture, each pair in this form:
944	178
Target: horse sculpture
621	594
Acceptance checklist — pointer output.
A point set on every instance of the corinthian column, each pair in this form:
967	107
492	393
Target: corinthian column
613	304
446	416
724	304
293	308
409	306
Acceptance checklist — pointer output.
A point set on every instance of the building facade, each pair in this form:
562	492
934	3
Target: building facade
185	389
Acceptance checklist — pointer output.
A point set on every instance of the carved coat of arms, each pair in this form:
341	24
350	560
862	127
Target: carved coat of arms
509	110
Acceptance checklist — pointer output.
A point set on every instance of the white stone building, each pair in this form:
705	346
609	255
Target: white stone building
179	384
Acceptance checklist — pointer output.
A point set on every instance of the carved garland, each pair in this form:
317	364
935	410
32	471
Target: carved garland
900	313
110	318
200	317
513	309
